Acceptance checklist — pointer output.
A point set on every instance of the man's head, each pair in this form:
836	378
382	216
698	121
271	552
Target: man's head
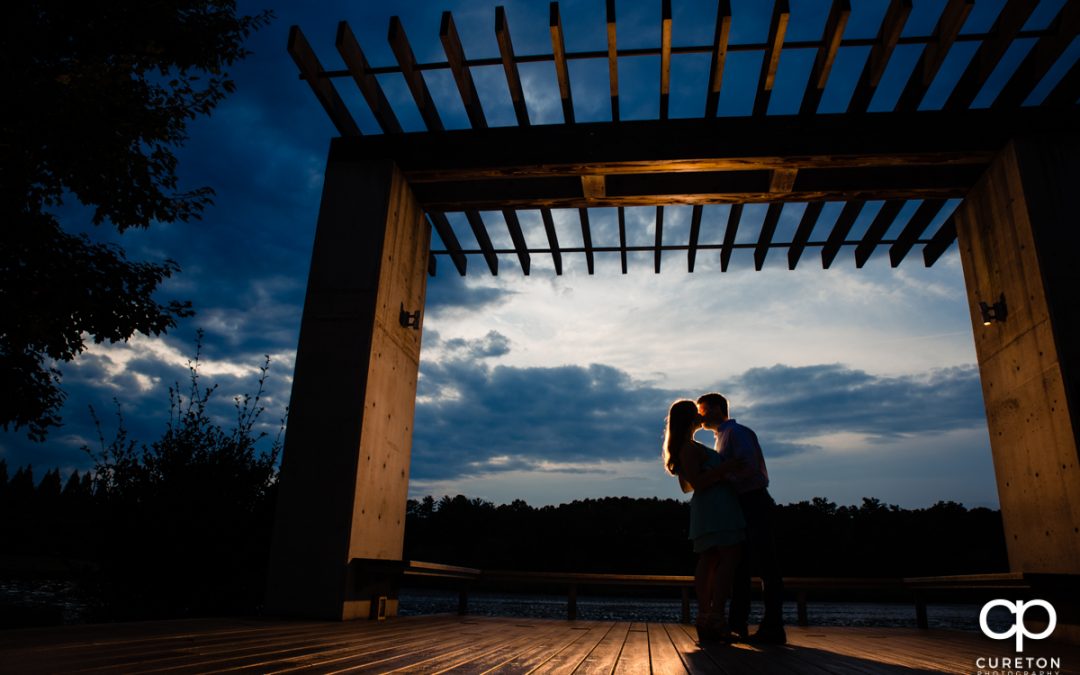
713	409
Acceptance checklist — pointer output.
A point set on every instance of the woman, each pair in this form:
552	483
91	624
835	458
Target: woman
716	522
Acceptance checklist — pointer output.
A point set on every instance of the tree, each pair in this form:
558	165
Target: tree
101	95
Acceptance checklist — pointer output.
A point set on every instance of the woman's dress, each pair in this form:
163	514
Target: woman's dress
715	516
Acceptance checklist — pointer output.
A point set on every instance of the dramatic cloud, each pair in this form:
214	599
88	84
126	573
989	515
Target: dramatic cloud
477	418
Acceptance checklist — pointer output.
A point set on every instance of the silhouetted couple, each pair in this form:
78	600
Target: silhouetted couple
731	515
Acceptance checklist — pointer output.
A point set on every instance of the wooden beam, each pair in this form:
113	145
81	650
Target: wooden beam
558	47
882	221
1006	26
553	239
622	238
665	57
455	56
520	247
403	52
368	84
449	239
840	231
948	27
719	55
663	189
802	234
777	29
513	79
940	242
826	55
892	25
734	216
586	237
303	56
695	233
482	238
659	238
695	145
921	219
613	61
768	229
1041	57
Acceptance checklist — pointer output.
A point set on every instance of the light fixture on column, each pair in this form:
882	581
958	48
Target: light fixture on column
995	312
409	319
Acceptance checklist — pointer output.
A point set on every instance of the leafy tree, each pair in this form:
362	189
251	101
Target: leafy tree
101	95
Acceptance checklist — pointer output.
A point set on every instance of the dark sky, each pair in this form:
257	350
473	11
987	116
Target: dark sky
860	382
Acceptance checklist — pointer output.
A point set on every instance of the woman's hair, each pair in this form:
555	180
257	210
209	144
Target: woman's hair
681	418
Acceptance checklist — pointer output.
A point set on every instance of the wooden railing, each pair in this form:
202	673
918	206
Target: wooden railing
918	589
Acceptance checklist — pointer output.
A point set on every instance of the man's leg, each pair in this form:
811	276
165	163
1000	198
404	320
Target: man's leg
758	509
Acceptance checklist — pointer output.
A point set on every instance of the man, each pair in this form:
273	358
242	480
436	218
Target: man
750	482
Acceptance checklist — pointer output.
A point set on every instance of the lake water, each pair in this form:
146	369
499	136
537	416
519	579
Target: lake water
866	614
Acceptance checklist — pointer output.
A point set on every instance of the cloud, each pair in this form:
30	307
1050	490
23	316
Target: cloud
475	418
453	294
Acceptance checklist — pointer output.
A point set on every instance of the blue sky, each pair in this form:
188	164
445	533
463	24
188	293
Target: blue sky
552	388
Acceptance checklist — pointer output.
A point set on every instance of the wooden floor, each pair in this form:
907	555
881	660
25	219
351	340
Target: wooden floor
486	645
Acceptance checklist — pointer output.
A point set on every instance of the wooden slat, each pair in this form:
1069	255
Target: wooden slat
734	216
449	240
948	27
358	66
663	656
802	233
892	25
826	55
455	56
920	220
665	57
695	233
622	238
403	52
586	237
884	218
768	229
513	79
1006	26
1066	91
558	47
327	95
482	238
1041	57
613	61
602	659
570	658
553	239
940	242
633	658
840	230
719	55
777	29
659	238
514	226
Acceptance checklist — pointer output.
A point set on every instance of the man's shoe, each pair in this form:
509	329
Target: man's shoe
769	635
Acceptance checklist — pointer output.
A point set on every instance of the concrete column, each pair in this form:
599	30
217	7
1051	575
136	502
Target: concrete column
345	467
1019	235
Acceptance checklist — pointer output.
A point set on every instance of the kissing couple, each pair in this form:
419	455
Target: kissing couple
731	520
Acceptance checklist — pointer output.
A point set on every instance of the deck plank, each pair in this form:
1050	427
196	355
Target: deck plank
449	643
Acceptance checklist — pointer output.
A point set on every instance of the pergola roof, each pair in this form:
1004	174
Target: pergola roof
916	158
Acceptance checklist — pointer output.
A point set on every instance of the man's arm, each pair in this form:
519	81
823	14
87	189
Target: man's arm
741	446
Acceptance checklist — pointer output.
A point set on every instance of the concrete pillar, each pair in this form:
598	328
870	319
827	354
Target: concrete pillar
345	467
1019	236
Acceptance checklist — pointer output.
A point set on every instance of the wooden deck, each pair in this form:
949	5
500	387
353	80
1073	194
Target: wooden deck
487	645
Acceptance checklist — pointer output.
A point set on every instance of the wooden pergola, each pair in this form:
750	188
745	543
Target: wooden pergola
1008	157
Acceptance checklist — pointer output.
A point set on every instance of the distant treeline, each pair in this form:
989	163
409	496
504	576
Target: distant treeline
187	533
649	536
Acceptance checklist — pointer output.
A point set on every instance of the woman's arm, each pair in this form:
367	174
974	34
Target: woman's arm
696	478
